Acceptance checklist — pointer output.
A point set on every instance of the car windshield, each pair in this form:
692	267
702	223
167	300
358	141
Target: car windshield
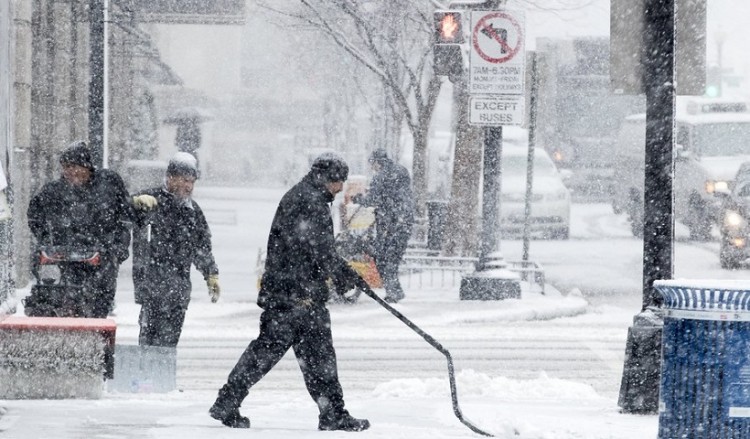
516	165
722	139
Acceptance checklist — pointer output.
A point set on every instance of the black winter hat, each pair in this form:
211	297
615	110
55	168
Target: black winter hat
378	156
183	164
330	167
77	153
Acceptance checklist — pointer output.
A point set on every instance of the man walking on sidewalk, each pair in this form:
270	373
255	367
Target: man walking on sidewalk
168	239
300	260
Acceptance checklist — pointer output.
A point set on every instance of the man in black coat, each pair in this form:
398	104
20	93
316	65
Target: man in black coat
391	195
167	240
86	209
300	259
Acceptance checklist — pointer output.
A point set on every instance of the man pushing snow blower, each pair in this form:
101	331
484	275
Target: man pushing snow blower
81	226
354	242
391	195
85	211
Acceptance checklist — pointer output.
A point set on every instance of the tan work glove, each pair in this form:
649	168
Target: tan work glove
144	202
214	290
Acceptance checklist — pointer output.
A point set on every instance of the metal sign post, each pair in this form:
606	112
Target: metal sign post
496	87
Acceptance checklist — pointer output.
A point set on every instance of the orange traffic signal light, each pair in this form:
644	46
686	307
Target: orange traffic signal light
448	27
449	34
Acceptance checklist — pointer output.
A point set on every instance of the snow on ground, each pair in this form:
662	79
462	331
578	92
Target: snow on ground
543	367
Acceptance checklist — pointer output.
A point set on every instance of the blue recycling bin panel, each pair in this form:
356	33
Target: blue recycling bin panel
705	376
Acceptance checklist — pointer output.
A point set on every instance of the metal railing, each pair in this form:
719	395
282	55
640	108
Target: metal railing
425	268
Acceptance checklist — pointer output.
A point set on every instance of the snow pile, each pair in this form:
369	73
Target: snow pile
471	383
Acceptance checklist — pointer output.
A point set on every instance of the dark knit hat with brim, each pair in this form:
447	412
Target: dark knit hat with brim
330	167
378	156
77	153
183	164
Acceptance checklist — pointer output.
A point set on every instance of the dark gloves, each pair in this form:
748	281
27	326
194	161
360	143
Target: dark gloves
357	199
348	280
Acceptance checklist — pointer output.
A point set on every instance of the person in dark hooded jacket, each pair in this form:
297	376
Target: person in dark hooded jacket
300	259
167	240
391	195
86	209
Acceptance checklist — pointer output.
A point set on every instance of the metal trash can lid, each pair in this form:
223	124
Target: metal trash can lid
706	299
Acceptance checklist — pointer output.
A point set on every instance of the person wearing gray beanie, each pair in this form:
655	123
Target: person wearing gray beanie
167	241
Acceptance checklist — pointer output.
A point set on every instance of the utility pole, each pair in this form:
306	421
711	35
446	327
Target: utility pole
639	391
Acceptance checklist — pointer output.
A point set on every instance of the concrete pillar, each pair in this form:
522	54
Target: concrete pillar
6	230
21	135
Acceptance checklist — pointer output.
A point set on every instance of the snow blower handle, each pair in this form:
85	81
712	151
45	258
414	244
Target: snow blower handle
362	285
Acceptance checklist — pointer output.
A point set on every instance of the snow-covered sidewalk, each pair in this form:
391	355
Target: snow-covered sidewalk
545	366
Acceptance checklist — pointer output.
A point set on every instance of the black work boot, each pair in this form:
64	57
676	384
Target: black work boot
341	421
229	417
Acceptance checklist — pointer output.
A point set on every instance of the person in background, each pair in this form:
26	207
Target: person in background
301	258
87	208
391	195
167	240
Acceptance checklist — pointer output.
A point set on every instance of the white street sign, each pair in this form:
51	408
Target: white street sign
497	60
494	110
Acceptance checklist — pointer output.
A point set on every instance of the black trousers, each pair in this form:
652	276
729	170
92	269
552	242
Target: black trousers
305	329
388	254
98	283
161	320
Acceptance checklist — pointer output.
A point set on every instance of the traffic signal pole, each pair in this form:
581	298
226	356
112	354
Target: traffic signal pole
639	390
658	221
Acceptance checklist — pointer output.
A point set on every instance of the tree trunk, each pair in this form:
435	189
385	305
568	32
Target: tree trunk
461	236
419	182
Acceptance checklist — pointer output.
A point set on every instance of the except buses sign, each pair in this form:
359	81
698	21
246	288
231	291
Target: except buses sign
497	65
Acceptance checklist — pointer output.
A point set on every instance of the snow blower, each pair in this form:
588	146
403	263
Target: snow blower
57	351
55	357
434	343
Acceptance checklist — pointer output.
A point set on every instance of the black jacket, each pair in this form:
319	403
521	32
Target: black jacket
179	237
95	216
391	195
301	255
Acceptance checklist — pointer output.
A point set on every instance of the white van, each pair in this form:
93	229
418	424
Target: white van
712	139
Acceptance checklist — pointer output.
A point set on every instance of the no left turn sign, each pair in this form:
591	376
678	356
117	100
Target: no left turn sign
498	54
497	37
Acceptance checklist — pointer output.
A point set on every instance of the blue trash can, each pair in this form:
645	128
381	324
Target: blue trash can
705	376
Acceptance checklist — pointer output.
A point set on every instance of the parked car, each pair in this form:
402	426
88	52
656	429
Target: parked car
550	198
735	221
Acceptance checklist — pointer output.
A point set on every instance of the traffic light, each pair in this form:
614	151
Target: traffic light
448	27
713	82
448	36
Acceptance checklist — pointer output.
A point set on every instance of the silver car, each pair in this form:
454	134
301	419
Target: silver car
550	198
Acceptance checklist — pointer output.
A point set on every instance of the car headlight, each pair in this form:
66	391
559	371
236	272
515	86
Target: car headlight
733	219
714	186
